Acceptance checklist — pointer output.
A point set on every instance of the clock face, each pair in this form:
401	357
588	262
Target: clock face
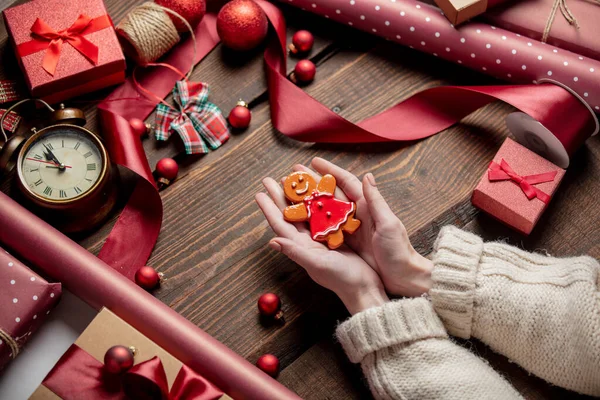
62	164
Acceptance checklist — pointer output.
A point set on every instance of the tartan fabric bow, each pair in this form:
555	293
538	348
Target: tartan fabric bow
503	172
199	123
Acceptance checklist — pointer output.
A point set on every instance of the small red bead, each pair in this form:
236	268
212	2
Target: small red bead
302	42
305	71
118	359
269	304
240	117
269	364
139	127
167	168
147	278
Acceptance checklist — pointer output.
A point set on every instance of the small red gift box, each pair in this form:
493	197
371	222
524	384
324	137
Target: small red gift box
25	300
65	49
517	186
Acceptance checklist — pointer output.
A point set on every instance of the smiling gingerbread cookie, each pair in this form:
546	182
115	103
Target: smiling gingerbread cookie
327	216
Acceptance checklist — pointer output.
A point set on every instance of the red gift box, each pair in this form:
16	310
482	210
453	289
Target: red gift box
65	50
529	18
25	300
517	186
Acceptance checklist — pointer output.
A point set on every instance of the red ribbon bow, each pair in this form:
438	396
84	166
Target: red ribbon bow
78	375
46	38
503	172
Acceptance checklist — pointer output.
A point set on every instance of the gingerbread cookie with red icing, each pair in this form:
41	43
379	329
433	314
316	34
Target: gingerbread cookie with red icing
327	216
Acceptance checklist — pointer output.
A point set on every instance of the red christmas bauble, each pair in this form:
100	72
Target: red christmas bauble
304	71
302	42
147	278
192	10
269	305
167	168
118	359
269	364
242	25
240	116
139	127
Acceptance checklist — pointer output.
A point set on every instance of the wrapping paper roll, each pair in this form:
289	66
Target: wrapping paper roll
485	48
101	286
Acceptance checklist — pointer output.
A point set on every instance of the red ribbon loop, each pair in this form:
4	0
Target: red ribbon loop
148	380
503	172
46	38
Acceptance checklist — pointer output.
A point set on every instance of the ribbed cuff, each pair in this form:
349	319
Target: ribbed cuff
394	323
456	259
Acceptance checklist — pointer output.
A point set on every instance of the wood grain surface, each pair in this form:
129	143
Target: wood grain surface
212	247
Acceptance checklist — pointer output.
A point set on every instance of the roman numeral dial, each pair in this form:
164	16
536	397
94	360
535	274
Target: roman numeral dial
61	164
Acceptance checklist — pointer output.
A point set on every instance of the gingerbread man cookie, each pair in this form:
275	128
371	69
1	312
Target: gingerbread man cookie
327	216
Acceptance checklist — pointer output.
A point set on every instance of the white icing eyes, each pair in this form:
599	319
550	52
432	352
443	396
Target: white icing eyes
300	178
294	185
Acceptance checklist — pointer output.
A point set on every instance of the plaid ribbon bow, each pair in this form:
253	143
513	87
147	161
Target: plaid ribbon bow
199	123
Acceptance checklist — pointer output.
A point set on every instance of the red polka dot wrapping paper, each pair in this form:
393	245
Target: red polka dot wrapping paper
25	301
481	47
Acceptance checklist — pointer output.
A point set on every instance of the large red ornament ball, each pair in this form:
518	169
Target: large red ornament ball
147	278
302	42
304	71
192	10
269	305
167	168
240	116
242	25
139	127
118	359
269	364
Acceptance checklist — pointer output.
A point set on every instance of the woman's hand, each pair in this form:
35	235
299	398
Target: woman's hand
341	270
382	240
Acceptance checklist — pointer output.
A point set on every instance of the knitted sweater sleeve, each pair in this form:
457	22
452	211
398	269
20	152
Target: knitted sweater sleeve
542	312
405	353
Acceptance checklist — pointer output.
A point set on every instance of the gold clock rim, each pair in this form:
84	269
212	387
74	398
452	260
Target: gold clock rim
93	137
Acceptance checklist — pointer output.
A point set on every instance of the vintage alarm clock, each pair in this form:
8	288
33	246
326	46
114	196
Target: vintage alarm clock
63	170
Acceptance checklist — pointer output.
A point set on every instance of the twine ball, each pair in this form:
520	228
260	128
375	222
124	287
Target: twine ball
147	33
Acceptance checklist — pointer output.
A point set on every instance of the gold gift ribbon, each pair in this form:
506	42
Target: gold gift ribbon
565	11
12	343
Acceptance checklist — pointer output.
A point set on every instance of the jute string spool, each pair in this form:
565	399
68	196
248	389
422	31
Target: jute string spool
148	32
11	343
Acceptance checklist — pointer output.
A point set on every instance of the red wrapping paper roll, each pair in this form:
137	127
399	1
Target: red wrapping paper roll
99	285
479	46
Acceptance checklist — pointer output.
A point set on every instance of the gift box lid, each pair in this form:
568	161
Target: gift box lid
72	65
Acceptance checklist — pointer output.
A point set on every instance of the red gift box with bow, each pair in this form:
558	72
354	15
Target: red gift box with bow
65	50
156	374
26	299
517	186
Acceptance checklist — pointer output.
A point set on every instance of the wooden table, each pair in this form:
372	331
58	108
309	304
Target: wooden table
212	247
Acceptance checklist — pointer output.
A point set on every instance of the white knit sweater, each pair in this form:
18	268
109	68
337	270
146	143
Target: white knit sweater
541	312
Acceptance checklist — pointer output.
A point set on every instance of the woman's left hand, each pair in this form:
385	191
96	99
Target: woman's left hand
341	270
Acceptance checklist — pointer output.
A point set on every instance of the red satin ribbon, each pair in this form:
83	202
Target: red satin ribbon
46	38
424	114
132	239
78	375
503	172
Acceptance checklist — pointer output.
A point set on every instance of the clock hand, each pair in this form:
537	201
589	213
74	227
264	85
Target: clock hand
49	162
53	157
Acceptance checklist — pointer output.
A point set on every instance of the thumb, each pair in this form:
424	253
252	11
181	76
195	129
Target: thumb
293	251
379	209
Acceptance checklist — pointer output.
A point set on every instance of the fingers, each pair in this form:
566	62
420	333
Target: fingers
295	252
276	192
380	211
274	217
346	181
